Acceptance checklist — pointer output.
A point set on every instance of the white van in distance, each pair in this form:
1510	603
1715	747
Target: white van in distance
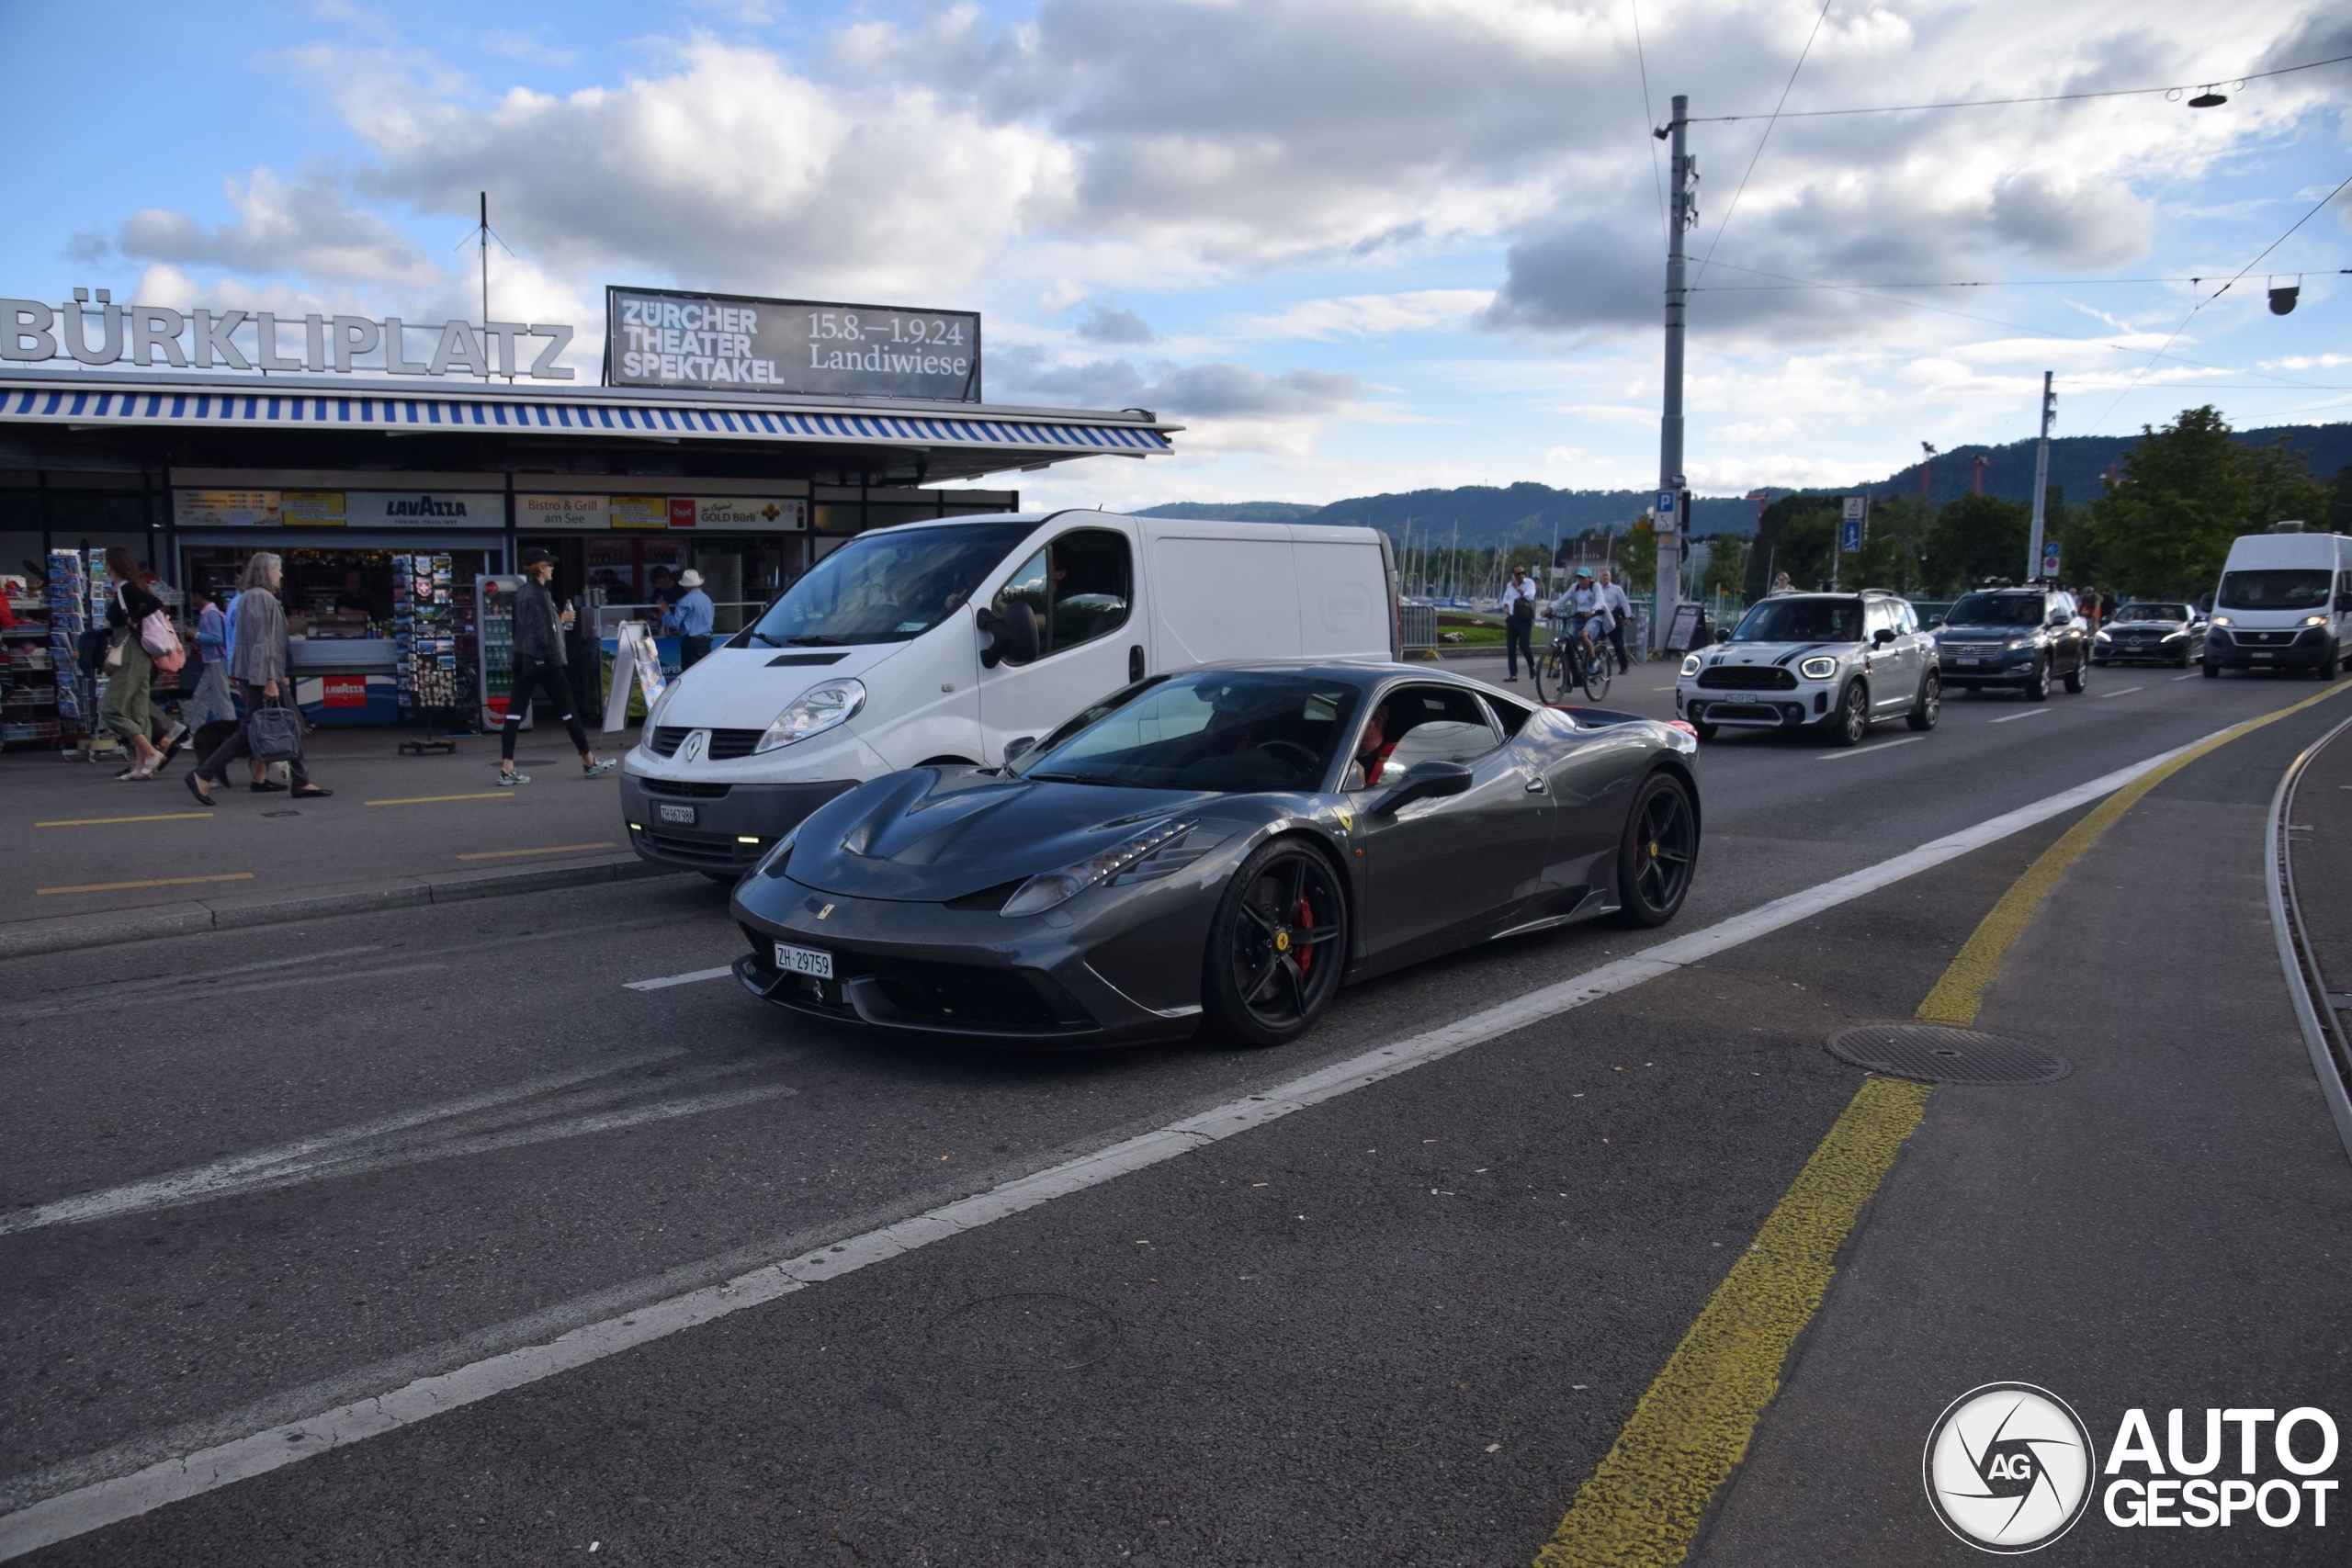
943	642
2282	603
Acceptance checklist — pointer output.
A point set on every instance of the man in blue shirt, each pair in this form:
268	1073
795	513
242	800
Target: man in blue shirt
689	620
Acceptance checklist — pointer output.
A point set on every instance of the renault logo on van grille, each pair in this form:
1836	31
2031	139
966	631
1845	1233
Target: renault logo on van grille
691	751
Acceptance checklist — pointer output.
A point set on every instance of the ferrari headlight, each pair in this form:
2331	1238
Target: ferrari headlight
818	709
1818	667
1690	665
1043	892
2314	620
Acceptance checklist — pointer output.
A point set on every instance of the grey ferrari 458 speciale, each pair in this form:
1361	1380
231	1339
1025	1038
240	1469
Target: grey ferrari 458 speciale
1222	847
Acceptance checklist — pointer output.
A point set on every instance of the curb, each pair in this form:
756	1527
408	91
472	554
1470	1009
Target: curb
234	913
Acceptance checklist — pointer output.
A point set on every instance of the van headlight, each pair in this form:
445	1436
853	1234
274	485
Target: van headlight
1043	892
1818	667
2314	620
2222	621
1691	665
818	709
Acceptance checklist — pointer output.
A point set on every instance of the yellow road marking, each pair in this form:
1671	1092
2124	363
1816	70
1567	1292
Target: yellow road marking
162	882
553	849
1642	1505
102	821
1961	992
429	799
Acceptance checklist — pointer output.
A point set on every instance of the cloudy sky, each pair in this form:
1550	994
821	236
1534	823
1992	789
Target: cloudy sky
1354	245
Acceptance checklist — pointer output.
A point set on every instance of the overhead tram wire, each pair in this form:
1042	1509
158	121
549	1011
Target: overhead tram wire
2241	272
1758	153
1778	113
1865	291
1649	116
1983	283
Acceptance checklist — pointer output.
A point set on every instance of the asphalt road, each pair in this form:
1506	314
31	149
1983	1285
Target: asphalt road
253	1178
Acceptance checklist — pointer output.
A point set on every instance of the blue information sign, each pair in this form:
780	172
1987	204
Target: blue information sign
1849	534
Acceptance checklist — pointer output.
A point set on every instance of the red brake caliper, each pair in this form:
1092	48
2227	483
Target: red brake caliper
1306	923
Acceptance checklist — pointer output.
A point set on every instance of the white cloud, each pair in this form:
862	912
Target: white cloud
1368	315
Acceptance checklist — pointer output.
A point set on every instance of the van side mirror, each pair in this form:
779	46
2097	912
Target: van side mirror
1425	781
1007	635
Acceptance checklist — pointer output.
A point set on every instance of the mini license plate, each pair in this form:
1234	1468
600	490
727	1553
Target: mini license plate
803	961
1743	696
683	814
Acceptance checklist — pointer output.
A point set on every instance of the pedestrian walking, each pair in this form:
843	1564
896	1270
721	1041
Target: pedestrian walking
257	669
689	620
212	700
1621	610
129	667
539	625
1518	622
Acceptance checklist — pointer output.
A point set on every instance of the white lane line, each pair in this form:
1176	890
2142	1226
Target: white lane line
2125	692
2030	713
692	976
1866	751
164	1191
2190	676
65	1515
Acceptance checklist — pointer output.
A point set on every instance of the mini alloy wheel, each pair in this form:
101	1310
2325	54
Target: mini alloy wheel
1852	720
1659	851
1276	947
1931	705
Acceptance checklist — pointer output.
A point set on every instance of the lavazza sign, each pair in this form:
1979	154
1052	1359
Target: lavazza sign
97	332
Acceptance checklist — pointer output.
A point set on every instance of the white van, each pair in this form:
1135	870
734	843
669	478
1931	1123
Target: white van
947	642
2282	604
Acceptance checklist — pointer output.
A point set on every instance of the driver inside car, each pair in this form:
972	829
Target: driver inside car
1373	747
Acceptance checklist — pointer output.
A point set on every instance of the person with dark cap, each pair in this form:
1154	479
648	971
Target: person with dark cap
539	622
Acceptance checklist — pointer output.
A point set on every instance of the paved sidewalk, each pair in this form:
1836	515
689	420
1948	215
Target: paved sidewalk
103	860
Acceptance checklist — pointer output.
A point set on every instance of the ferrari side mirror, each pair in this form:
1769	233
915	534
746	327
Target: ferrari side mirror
1425	781
1018	747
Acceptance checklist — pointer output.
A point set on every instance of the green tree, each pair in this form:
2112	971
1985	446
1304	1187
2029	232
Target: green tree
1637	559
1891	544
2186	491
2283	487
2339	502
1974	538
1726	565
1806	541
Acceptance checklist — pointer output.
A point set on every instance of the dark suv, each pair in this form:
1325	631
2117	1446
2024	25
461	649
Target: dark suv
2020	637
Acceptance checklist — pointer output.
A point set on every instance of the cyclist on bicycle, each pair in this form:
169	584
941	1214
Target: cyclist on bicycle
1586	609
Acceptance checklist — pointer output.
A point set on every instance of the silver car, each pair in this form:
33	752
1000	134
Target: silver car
1832	663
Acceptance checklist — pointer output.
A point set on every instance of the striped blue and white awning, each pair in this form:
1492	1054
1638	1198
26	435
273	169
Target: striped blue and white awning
593	415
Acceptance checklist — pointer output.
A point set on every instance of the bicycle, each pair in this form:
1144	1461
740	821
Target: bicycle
1569	661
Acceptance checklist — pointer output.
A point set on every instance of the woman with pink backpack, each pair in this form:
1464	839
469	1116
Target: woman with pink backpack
142	641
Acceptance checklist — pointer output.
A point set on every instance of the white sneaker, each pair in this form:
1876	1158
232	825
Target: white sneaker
597	769
507	780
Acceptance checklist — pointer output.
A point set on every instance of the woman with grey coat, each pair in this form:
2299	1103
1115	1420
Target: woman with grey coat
258	666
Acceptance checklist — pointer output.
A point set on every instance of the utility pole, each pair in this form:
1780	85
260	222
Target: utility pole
2040	480
1927	467
1683	215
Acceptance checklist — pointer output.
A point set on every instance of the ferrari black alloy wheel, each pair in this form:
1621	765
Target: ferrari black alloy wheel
1276	947
1659	851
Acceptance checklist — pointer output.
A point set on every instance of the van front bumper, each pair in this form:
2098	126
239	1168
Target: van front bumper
2303	649
717	827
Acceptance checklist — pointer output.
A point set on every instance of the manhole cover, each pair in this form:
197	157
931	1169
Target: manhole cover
1030	1332
1935	1054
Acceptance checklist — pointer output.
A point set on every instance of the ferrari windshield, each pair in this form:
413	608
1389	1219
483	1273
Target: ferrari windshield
1803	620
887	586
1236	731
1995	610
2152	613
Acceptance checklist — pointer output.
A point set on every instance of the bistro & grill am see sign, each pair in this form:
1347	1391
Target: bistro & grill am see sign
97	332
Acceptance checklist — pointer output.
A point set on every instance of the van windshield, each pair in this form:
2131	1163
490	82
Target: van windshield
887	586
2300	588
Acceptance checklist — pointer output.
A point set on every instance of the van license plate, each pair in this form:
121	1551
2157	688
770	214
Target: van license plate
682	815
803	961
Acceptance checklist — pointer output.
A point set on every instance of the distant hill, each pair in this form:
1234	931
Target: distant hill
1489	514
